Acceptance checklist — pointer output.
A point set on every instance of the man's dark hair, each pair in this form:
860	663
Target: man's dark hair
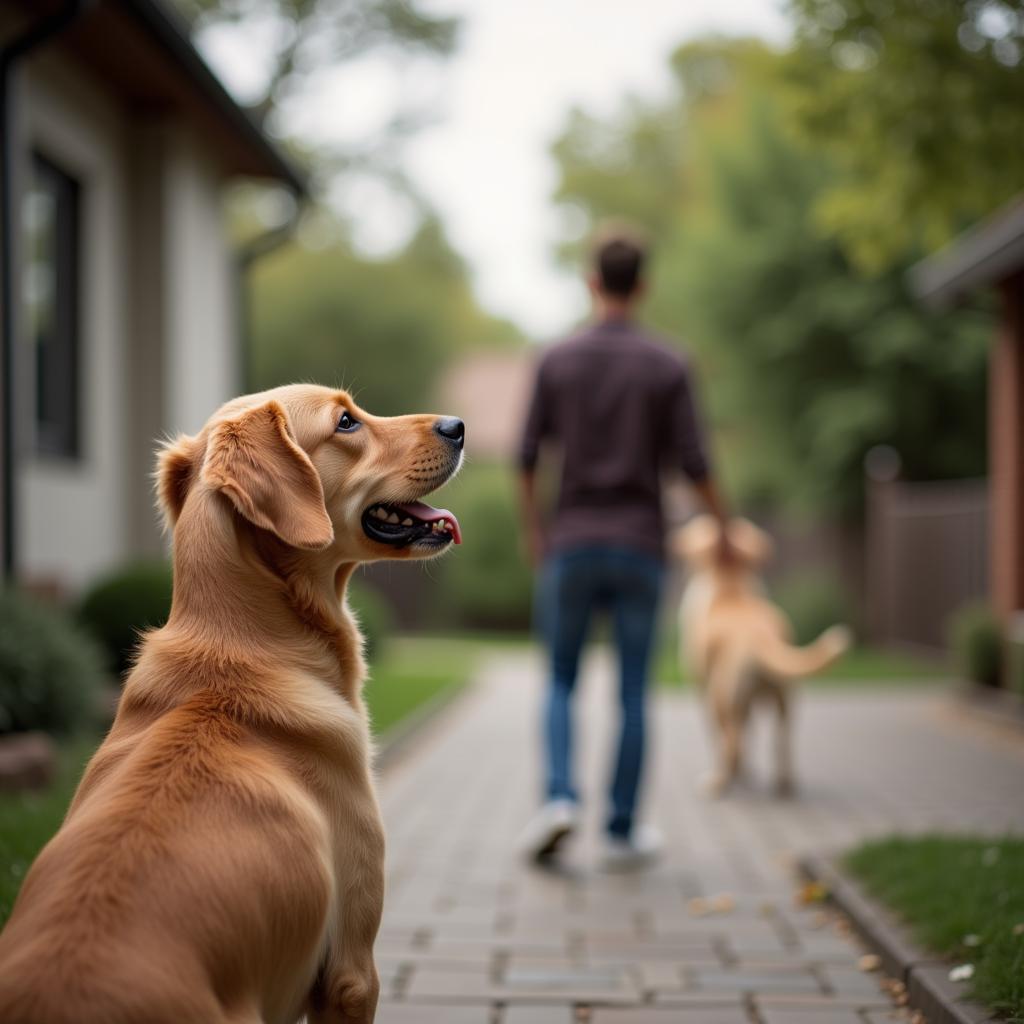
619	262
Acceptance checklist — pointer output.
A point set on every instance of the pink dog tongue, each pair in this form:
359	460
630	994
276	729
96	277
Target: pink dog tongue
429	514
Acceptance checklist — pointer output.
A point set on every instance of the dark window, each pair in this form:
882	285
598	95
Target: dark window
51	304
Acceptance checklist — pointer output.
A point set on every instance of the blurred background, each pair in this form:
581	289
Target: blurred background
205	197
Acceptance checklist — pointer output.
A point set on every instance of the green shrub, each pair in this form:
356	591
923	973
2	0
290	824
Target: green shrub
374	613
118	607
976	637
486	582
51	672
814	600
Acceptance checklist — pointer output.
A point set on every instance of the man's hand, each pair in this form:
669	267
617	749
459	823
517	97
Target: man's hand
726	553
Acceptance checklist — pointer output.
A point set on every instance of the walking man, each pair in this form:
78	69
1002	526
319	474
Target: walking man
620	407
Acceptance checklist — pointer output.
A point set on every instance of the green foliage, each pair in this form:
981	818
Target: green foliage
385	329
486	582
376	619
51	673
919	106
976	638
963	898
807	362
122	605
316	34
814	600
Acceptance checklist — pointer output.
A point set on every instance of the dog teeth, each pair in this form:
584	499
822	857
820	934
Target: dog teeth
381	513
407	522
392	518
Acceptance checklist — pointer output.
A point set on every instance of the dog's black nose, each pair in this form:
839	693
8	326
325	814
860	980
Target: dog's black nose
451	428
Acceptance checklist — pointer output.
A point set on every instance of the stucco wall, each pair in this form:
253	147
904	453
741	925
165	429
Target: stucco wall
72	512
157	322
199	351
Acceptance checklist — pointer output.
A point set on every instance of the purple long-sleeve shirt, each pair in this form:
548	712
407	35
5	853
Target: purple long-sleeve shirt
620	406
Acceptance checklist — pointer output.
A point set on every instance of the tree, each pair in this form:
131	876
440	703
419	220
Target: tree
385	329
309	35
919	104
807	361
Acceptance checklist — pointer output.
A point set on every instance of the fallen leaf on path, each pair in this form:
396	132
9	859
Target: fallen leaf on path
870	962
812	892
964	972
723	904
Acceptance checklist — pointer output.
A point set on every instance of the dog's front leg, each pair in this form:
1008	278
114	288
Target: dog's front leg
348	988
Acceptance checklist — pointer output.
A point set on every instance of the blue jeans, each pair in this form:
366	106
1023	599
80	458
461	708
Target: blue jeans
573	585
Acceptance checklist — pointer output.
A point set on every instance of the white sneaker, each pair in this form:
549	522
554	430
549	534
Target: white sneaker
642	848
556	820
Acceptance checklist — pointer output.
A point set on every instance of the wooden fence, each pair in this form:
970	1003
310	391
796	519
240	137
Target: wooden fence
926	554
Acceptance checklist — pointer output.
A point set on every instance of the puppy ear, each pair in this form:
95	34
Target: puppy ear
175	466
751	541
254	460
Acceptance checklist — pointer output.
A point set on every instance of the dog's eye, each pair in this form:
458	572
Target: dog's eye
346	424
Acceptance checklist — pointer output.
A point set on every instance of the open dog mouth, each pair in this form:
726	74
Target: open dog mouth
414	522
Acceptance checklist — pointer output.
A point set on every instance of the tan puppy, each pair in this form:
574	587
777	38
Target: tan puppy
737	643
223	858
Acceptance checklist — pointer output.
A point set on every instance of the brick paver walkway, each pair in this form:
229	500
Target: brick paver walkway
712	935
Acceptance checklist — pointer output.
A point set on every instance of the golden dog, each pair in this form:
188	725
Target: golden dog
223	858
737	643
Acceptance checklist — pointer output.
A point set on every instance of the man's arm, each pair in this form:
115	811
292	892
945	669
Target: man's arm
533	533
693	457
713	502
534	430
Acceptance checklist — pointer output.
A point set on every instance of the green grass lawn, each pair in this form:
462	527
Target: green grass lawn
414	670
963	898
27	820
868	665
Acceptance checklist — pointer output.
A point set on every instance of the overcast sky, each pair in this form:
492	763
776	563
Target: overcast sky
499	102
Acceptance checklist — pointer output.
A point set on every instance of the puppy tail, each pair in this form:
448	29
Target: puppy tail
785	661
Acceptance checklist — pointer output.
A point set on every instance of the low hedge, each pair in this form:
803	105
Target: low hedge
976	639
51	671
122	605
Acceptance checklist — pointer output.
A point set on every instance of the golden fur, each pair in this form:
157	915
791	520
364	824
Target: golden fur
223	858
738	644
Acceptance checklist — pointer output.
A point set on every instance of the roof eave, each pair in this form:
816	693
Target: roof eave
171	32
985	254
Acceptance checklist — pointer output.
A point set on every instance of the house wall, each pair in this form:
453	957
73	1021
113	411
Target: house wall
72	512
183	362
201	368
157	322
1006	451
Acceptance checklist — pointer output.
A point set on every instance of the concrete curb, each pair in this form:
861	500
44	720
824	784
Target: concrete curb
996	707
402	736
925	976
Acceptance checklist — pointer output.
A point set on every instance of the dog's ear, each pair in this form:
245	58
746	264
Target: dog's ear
176	463
254	460
753	544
